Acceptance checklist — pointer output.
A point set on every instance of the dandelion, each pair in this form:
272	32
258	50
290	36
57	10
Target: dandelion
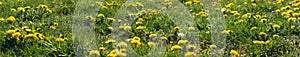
52	27
253	28
1	3
191	47
263	34
164	38
227	32
42	6
94	52
291	19
122	44
101	48
10	31
60	40
111	19
235	53
49	10
21	9
176	28
188	3
113	53
55	24
276	26
190	54
138	22
109	41
127	28
100	15
16	35
258	42
1	19
152	35
136	42
292	27
213	46
13	10
110	28
267	42
175	47
27	7
152	44
275	36
180	42
263	20
11	19
191	28
140	28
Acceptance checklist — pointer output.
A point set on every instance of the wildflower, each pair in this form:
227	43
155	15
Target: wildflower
21	9
253	28
191	28
275	36
136	42
122	44
291	19
101	48
11	19
111	19
235	53
263	20
13	10
94	52
152	35
42	6
292	27
152	44
30	36
138	22
1	19
213	46
140	28
188	3
10	31
109	41
110	28
52	27
16	35
176	28
267	42
127	28
276	26
1	3
192	47
104	7
182	42
190	54
263	33
55	24
227	32
113	53
175	47
49	10
258	42
60	40
277	11
27	7
100	15
164	38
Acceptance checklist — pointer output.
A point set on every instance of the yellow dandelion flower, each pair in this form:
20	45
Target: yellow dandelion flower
175	47
235	53
190	54
267	42
263	20
49	10
60	40
10	31
182	42
42	6
16	35
113	53
227	32
263	33
275	36
101	48
292	27
55	24
188	3
95	52
27	7
164	38
276	26
21	9
138	22
1	19
136	42
11	19
291	19
127	28
111	19
122	44
100	15
1	3
152	35
152	44
13	10
141	28
176	28
191	28
213	46
109	41
52	27
110	28
253	28
258	42
277	11
104	7
191	47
